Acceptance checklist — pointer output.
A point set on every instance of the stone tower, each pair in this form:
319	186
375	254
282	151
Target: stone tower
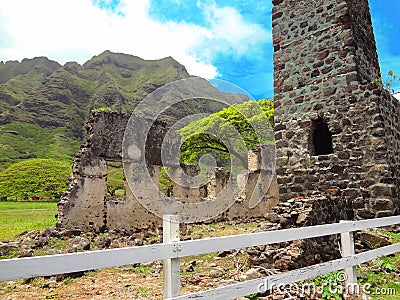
337	130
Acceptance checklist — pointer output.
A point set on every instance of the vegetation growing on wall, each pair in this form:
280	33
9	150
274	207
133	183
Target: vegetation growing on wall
391	81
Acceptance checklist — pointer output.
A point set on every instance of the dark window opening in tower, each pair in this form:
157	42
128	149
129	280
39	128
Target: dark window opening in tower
321	138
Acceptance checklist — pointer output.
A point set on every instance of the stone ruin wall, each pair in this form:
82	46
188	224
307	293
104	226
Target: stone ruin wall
390	110
325	63
85	206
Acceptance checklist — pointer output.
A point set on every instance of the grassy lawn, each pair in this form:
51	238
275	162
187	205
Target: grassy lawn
16	217
381	275
27	205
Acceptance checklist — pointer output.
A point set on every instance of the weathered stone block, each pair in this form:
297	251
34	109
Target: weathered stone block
381	189
383	204
95	167
262	158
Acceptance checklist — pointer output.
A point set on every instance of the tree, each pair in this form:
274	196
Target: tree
231	131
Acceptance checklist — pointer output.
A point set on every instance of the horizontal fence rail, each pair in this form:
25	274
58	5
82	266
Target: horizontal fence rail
48	265
267	283
208	245
17	268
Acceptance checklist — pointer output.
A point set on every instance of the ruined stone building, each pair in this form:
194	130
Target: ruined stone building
85	206
337	130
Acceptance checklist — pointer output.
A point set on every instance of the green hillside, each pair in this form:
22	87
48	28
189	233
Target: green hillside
40	65
34	178
21	141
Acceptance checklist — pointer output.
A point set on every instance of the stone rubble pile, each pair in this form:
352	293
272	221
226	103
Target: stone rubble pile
300	212
57	241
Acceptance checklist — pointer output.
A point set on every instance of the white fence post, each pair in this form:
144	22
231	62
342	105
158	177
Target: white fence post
347	246
171	267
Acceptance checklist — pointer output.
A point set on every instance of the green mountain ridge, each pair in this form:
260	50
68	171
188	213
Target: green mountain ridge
44	105
65	96
11	69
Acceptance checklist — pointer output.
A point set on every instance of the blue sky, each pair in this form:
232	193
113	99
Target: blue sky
386	22
224	39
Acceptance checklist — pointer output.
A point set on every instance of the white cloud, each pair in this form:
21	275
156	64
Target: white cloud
62	30
76	30
232	32
397	96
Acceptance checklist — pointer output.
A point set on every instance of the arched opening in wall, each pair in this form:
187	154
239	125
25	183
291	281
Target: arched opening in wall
321	138
115	182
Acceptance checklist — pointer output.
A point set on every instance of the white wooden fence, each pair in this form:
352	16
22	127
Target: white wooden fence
172	250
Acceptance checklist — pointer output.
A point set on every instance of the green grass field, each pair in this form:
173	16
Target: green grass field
16	217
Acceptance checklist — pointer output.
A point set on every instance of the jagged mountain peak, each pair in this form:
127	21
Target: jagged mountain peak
121	60
41	64
129	62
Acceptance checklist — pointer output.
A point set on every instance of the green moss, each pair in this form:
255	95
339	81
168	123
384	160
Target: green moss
101	109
